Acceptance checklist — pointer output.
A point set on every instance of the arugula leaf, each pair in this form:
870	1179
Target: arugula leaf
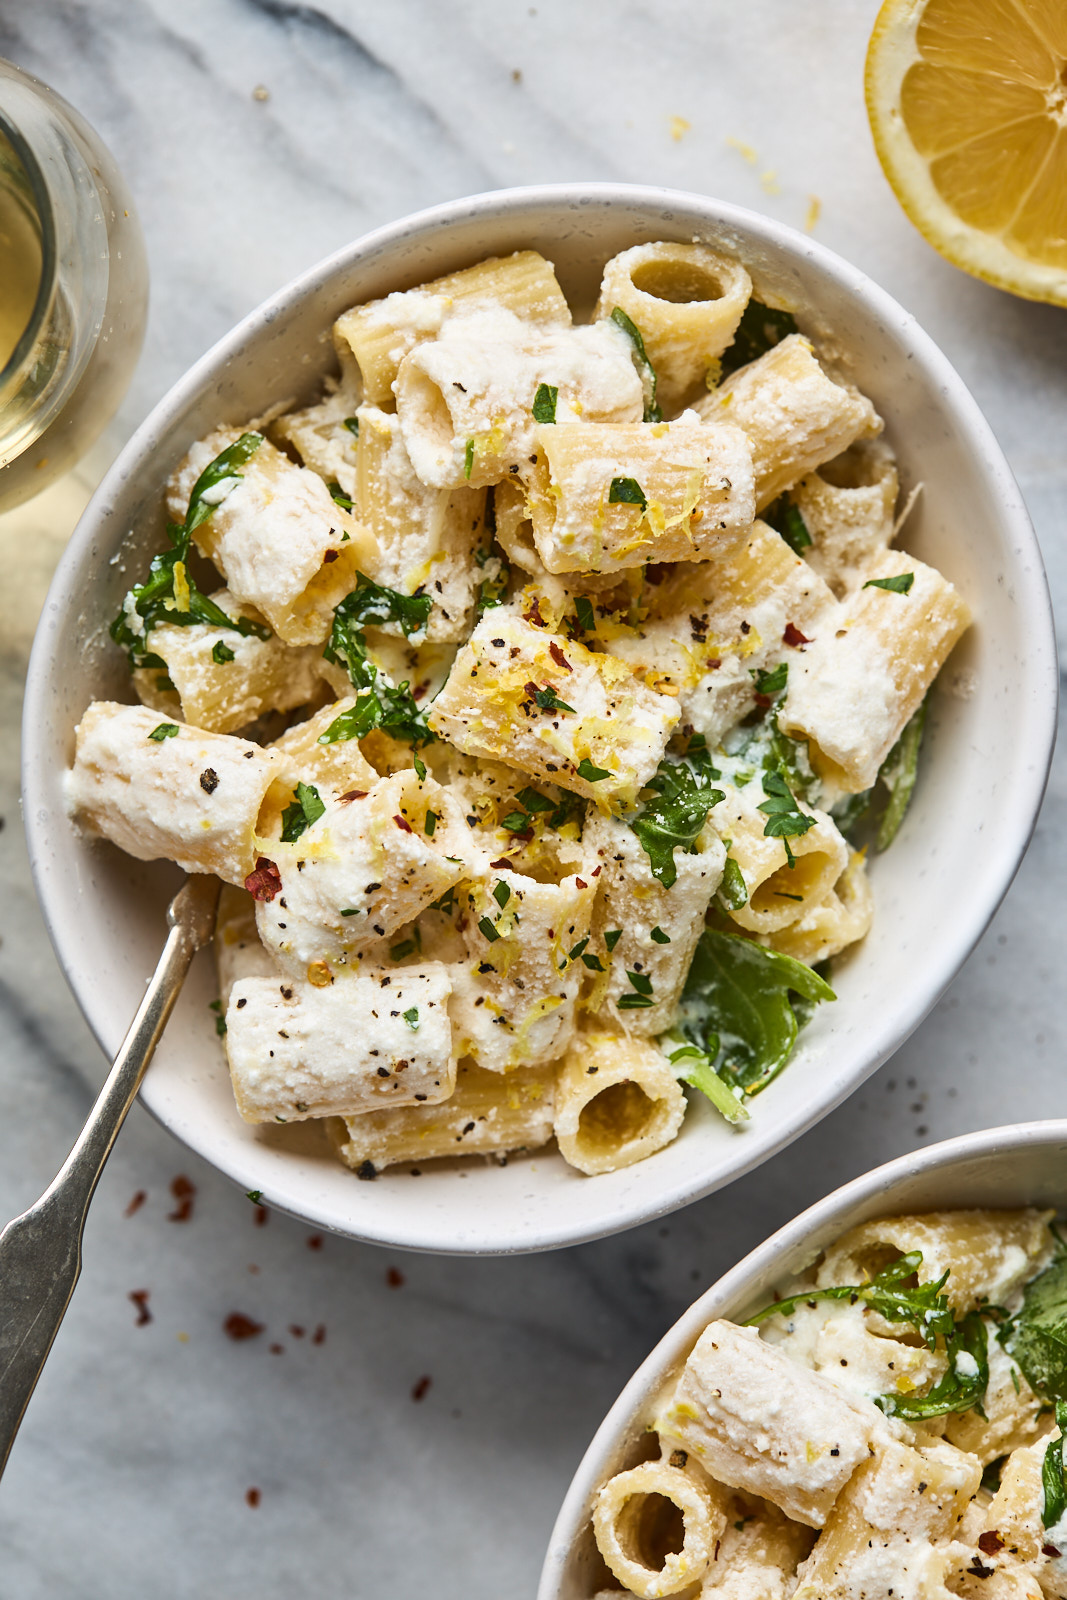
963	1385
759	330
169	594
736	1006
898	772
1036	1337
381	703
924	1307
165	730
1054	1473
783	515
645	370
900	584
694	1066
305	809
626	492
544	403
682	799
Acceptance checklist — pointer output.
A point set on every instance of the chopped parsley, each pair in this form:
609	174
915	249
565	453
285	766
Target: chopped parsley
468	459
900	583
583	610
785	820
502	894
431	824
682	797
412	1019
381	703
612	937
548	699
627	492
306	808
352	424
645	370
659	937
492	591
221	653
760	329
406	947
544	405
220	1020
339	498
488	930
590	773
772	683
165	730
420	767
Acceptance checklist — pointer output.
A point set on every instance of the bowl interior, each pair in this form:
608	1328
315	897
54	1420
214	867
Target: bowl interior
1024	1165
989	738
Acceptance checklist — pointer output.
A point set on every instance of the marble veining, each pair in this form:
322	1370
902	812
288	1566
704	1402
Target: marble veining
133	1468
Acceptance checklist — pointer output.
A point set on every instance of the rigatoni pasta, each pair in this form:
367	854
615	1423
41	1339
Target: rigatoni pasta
557	683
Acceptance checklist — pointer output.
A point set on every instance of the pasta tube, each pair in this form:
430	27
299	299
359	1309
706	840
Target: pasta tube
617	1102
629	1534
324	437
341	767
795	415
856	686
538	701
486	1114
847	507
829	926
465	401
224	679
239	952
603	498
381	333
371	1038
686	300
779	893
278	538
161	789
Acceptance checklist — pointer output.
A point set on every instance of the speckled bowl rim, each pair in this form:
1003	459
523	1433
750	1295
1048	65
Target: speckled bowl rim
637	1198
881	1192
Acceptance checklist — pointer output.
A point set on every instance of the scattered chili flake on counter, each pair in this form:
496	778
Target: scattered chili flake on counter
184	1193
252	1498
319	1336
296	1330
395	1278
259	1216
277	1349
315	1241
420	1389
238	1327
140	1300
136	1203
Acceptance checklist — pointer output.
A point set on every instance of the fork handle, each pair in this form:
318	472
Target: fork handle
40	1251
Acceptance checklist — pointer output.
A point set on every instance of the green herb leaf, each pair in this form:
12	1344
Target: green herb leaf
1036	1338
488	930
307	808
736	1005
165	730
381	703
203	500
785	518
733	891
255	1195
659	937
773	682
431	823
583	610
923	1306
590	773
544	406
645	370
1053	1473
640	981
446	902
759	330
626	492
412	1019
634	1002
221	653
548	699
784	819
406	947
899	584
533	801
694	1066
594	963
338	496
420	768
682	799
612	937
898	772
516	822
468	458
352	424
575	951
501	894
964	1384
350	911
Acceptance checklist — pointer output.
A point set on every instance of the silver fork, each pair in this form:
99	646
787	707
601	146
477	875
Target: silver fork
41	1251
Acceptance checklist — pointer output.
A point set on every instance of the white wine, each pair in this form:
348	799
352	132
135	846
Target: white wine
20	253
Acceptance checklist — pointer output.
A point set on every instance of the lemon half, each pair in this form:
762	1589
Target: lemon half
968	105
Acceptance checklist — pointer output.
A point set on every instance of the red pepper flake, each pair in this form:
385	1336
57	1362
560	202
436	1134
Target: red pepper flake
558	657
238	1327
715	663
402	822
793	636
265	882
140	1300
330	555
296	1330
319	1336
315	1241
184	1193
277	1349
534	615
421	1388
596	872
504	861
989	1543
763	701
353	794
1049	1550
252	1498
581	883
136	1203
395	1278
259	1216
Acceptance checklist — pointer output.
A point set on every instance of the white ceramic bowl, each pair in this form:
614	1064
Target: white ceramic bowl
984	772
1023	1165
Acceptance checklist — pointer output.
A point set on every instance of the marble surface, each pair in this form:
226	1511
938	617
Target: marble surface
131	1473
